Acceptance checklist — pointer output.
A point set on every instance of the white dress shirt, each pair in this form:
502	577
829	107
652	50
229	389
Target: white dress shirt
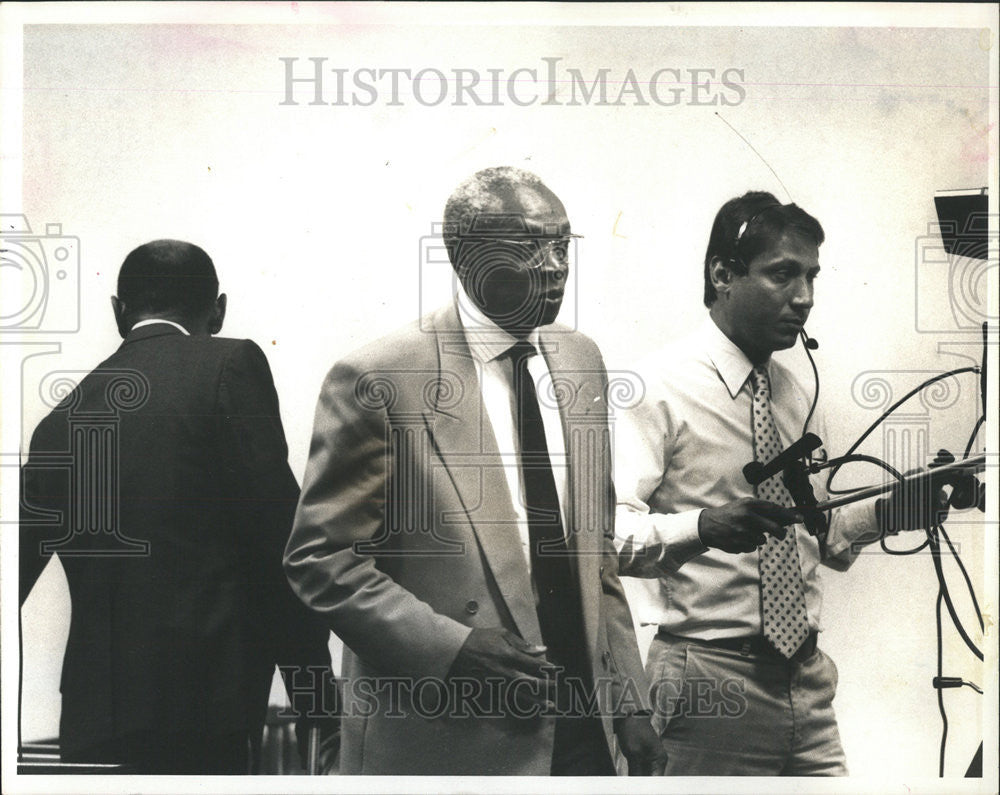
682	449
487	344
152	320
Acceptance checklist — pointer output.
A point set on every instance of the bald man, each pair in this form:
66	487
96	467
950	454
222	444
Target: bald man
456	522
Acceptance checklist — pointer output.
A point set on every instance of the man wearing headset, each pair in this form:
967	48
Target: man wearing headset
731	572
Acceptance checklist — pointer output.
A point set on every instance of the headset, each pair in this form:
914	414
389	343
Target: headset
936	532
809	343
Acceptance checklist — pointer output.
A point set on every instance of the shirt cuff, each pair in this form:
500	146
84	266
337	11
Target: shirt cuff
650	545
678	537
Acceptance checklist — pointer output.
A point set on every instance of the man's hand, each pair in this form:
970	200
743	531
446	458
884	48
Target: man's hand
742	525
499	653
641	746
923	502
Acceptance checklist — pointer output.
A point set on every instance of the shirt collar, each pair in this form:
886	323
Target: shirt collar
730	362
486	340
150	321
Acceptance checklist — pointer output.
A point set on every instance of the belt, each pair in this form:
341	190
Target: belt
753	646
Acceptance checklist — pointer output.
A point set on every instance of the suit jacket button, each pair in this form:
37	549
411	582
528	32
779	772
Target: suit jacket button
606	659
472	607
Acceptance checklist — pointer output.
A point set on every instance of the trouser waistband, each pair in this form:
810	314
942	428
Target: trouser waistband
751	645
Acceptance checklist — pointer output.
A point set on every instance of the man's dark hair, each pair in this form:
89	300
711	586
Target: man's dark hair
168	278
766	219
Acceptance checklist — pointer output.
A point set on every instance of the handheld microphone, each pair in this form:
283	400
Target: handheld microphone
808	341
755	472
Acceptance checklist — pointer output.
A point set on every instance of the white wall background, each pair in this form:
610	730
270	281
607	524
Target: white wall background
313	216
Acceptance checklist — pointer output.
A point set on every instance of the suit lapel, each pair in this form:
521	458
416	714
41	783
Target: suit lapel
580	396
464	440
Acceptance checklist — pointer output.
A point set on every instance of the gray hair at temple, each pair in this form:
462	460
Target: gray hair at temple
482	194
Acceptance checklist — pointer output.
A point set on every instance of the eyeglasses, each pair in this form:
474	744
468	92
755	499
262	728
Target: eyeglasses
533	251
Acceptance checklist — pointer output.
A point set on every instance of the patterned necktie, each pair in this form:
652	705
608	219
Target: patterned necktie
783	597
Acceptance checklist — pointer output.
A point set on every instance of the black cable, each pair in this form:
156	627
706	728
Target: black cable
944	596
931	540
863	459
885	414
900	552
972	437
812	408
858	457
20	680
940	692
943	587
920	387
965	574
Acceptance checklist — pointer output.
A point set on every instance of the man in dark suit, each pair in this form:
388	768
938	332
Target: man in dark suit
162	483
456	522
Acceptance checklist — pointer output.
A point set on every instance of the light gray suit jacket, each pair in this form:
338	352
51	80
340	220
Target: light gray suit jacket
406	537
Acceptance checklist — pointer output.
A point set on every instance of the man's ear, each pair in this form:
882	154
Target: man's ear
721	275
218	315
118	307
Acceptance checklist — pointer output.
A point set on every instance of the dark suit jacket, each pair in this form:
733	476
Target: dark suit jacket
406	538
174	442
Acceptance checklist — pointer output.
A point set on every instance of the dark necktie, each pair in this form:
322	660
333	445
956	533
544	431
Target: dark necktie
559	612
783	597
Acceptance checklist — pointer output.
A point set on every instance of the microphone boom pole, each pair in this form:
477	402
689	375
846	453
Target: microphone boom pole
976	463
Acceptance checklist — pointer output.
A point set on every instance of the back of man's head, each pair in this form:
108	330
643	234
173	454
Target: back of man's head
747	225
168	279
